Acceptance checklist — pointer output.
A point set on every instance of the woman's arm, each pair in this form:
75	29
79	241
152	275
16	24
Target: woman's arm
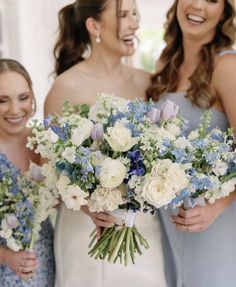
224	82
22	263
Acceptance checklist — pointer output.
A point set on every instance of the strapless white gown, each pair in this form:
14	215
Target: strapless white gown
74	267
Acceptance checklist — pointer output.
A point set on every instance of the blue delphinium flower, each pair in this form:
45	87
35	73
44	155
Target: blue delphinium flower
137	166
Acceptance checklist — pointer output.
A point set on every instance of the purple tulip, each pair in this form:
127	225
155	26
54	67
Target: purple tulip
169	110
154	115
97	132
12	221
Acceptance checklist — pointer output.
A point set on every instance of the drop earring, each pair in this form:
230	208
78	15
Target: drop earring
98	39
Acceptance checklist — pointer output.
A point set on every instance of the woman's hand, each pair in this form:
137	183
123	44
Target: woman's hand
100	219
199	218
23	263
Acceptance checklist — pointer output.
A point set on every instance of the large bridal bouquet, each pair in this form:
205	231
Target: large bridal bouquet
25	203
108	160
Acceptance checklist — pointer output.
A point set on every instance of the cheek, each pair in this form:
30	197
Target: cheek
28	107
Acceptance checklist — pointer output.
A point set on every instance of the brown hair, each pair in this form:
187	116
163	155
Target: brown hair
200	91
9	65
74	38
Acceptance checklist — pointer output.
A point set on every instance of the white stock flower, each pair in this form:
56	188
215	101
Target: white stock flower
5	231
227	187
74	197
120	138
50	174
183	143
11	243
82	132
112	173
69	154
62	183
193	135
106	199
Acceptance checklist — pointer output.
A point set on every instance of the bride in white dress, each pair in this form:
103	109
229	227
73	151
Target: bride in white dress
94	36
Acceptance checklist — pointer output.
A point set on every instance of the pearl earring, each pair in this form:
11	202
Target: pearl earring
98	39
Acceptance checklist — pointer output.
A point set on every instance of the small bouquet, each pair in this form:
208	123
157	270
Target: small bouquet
98	158
212	155
25	203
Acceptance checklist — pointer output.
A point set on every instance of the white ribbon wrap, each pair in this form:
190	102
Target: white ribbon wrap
124	217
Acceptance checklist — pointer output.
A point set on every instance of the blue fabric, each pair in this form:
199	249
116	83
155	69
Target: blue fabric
206	258
45	273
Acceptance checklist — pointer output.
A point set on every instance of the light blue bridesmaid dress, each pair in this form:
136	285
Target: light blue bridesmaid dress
45	272
208	258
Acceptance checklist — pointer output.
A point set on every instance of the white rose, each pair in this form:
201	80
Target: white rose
106	199
112	173
176	177
74	197
81	133
69	154
120	138
156	192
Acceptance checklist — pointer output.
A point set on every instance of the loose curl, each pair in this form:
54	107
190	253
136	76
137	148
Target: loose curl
74	39
200	91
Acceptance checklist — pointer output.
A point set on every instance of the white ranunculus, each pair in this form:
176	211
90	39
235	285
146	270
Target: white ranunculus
50	136
120	138
82	132
112	173
220	168
69	154
106	199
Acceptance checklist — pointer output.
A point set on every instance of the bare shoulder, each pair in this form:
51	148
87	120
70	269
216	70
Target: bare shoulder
140	77
67	86
225	70
224	83
159	66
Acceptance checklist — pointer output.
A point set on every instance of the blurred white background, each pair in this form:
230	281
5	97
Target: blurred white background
28	32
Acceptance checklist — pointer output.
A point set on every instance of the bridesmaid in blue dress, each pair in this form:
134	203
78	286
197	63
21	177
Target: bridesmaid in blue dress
17	105
197	71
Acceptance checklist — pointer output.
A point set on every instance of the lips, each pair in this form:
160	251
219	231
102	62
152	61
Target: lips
195	19
129	39
15	120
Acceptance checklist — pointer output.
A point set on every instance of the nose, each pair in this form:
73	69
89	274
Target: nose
134	22
14	107
198	4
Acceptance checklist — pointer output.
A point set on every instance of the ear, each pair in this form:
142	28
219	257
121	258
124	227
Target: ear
92	26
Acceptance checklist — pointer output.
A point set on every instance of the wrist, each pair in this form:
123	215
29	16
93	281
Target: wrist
4	254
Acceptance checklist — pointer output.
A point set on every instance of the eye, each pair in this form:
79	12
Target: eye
2	101
212	1
122	14
24	97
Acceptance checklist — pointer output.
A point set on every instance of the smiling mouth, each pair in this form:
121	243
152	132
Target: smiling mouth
129	40
194	19
15	120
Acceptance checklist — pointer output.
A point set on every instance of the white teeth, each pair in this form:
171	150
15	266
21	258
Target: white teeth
195	18
129	38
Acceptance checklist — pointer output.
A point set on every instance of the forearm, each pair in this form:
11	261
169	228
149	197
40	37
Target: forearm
3	251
